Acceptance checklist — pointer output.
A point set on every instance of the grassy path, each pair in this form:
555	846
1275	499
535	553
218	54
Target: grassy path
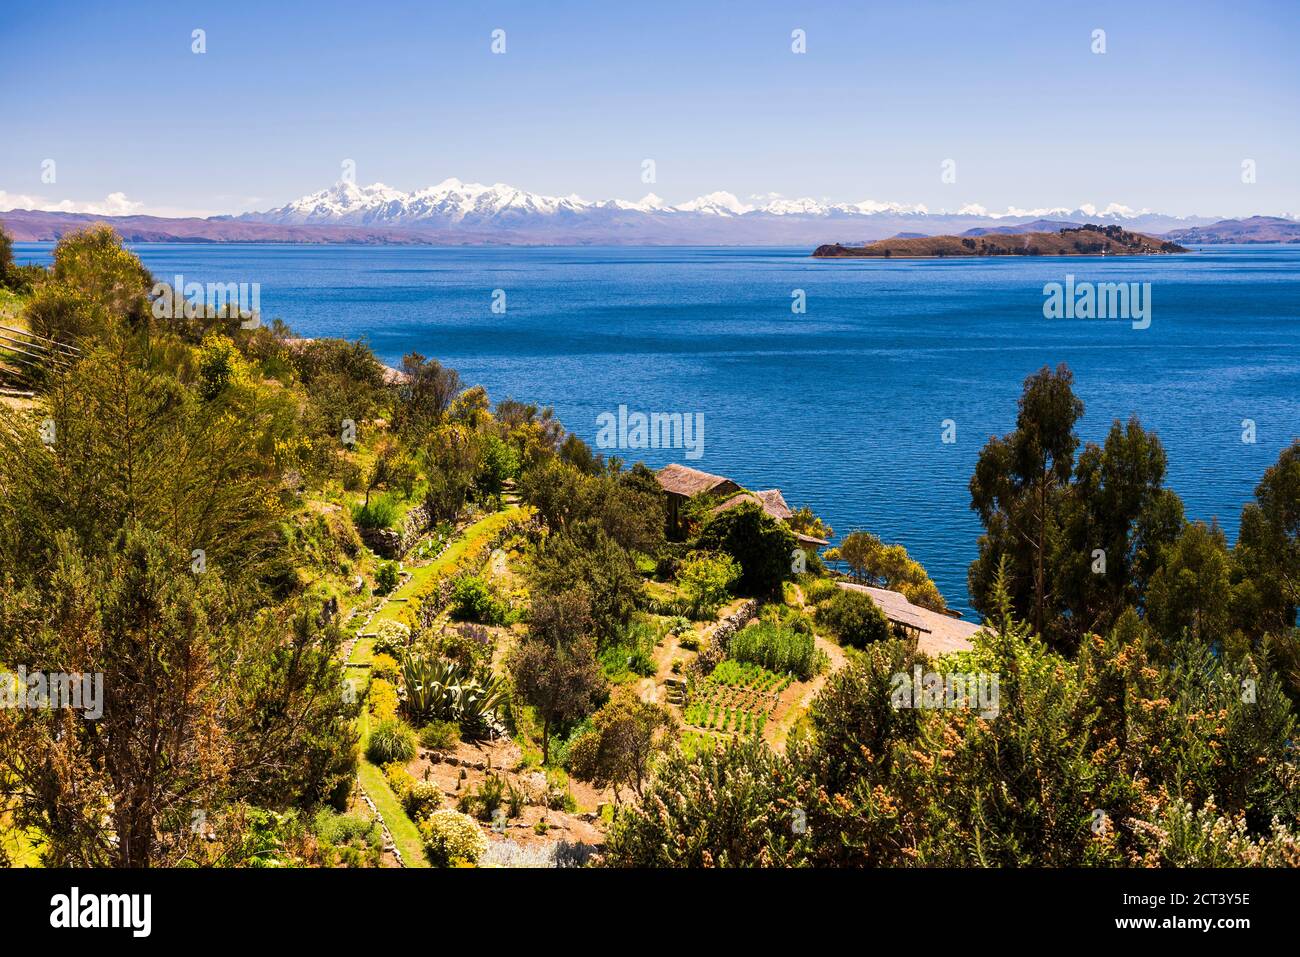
405	834
448	559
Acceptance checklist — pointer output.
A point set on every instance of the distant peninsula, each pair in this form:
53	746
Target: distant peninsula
1087	240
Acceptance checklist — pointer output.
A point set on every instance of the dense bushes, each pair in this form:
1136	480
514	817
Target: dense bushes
473	599
440	735
776	648
347	840
1133	753
763	547
386	577
729	806
381	512
705	581
854	618
422	800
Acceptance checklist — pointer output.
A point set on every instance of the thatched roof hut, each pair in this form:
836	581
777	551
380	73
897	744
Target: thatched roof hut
772	502
685	481
935	633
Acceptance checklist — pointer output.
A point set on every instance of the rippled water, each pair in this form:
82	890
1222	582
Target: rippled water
840	407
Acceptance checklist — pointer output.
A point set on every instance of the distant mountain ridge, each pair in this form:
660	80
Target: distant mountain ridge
453	207
1256	229
458	213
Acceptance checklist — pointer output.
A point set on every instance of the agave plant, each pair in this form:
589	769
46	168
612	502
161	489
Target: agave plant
478	702
434	689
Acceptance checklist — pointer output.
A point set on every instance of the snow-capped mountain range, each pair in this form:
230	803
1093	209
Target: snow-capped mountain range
473	212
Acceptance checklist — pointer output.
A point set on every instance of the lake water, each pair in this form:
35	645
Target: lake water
841	407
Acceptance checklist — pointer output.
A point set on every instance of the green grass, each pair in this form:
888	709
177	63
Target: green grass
422	575
405	834
363	650
10	305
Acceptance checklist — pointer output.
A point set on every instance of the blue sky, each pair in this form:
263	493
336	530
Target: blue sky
711	91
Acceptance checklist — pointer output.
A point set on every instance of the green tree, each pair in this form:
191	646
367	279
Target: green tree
805	522
1020	483
763	547
589	561
498	464
1117	522
425	396
6	255
1268	550
204	705
627	733
873	562
133	445
554	667
1191	593
705	580
99	267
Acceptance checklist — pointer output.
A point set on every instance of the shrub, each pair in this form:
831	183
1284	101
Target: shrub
473	599
726	807
391	638
758	542
854	618
386	577
385	667
333	828
383	700
422	800
484	802
706	580
380	513
220	364
440	735
1181	837
776	648
817	590
391	741
467	644
452	838
399	779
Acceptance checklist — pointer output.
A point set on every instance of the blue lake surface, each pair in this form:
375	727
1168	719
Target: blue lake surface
840	407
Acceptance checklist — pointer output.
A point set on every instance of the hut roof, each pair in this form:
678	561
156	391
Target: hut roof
771	502
810	540
683	480
939	634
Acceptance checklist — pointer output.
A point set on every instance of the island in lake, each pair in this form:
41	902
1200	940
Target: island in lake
1087	240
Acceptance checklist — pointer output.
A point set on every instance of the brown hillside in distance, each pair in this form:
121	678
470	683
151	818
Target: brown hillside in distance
1073	241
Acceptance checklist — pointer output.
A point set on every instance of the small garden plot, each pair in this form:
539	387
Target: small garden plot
738	698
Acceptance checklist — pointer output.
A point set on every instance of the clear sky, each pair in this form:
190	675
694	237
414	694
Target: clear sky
712	92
